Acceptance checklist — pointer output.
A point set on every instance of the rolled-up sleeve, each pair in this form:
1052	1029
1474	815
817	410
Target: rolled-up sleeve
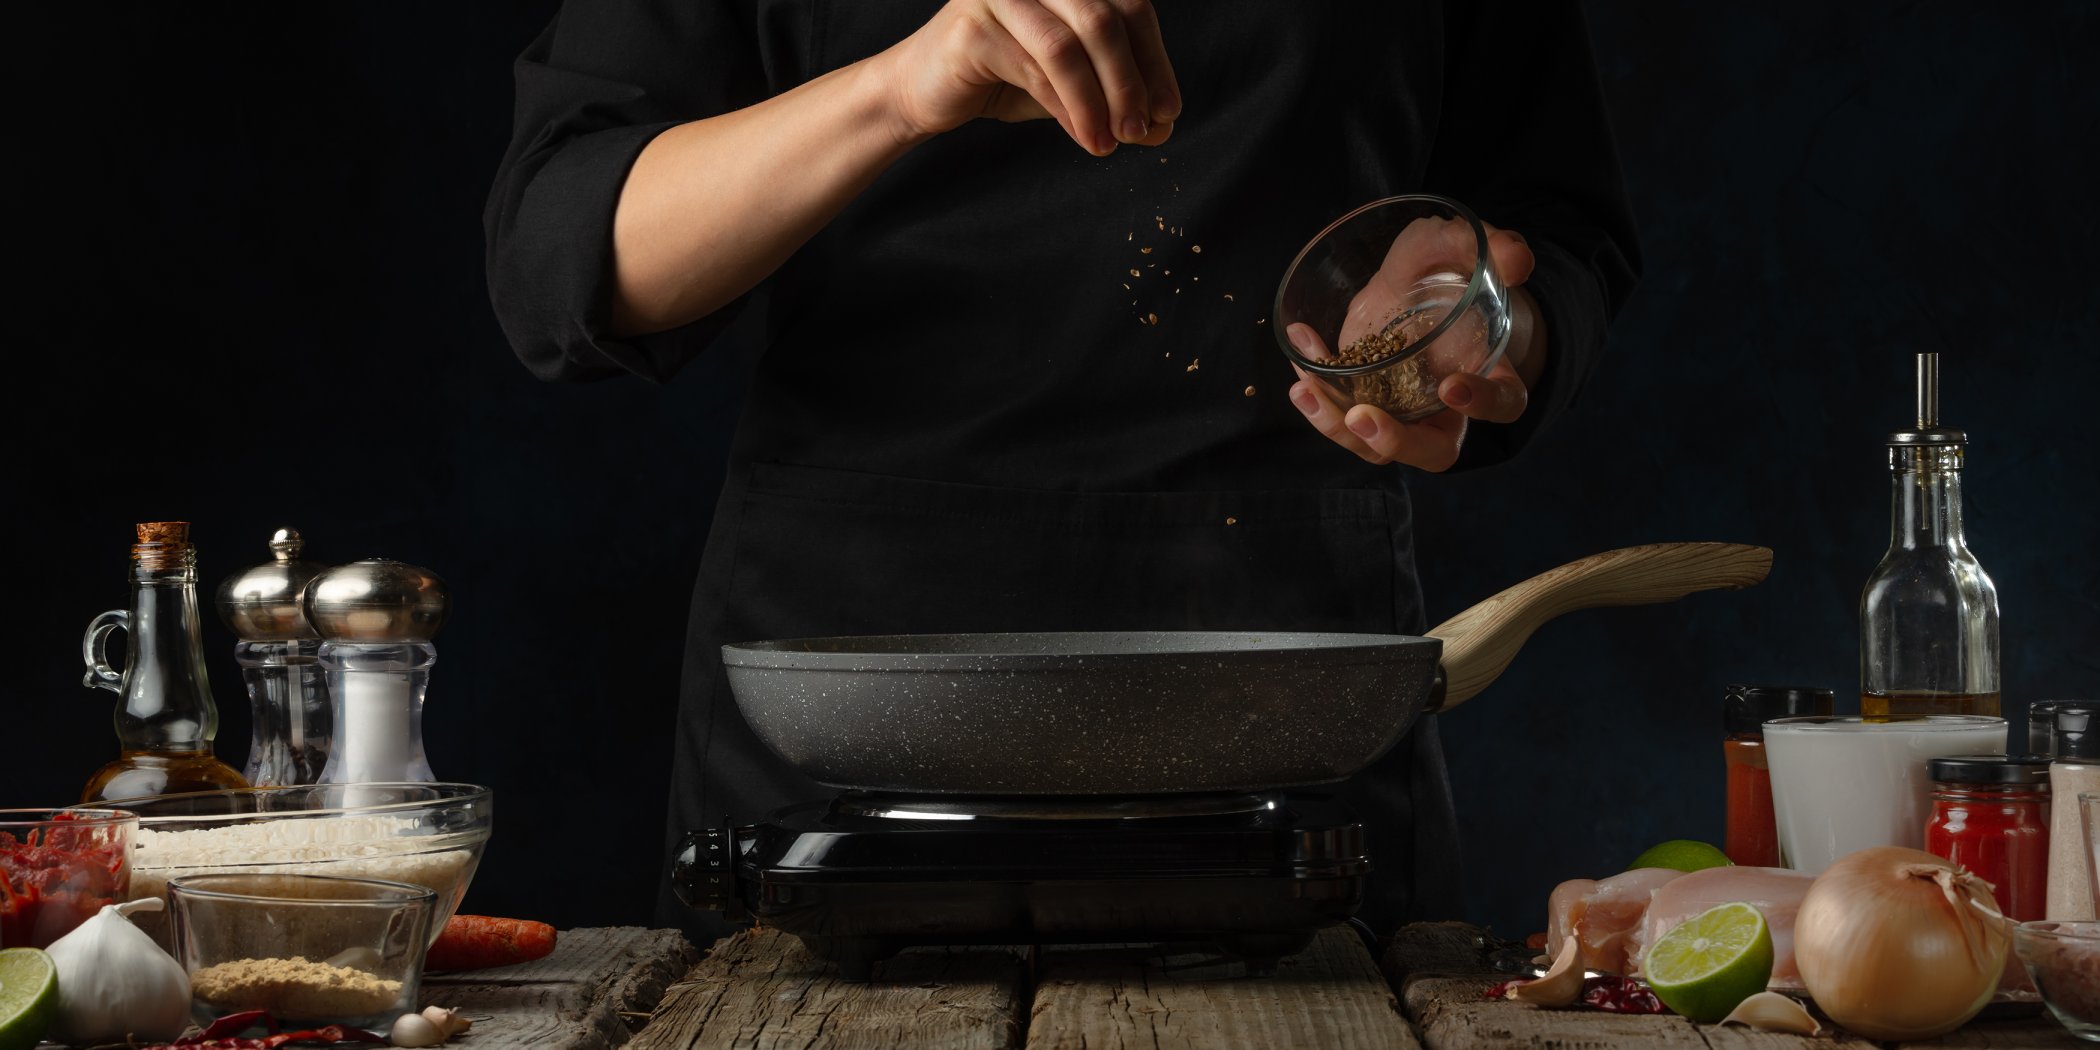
605	78
1525	139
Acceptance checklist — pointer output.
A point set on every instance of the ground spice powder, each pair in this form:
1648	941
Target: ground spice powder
295	988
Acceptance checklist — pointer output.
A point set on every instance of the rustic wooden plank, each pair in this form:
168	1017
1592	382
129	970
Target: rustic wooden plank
761	990
2030	1033
1330	996
1442	974
589	995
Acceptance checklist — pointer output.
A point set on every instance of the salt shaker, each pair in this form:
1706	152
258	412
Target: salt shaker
278	652
376	618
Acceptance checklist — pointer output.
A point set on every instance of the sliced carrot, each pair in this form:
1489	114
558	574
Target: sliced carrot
476	942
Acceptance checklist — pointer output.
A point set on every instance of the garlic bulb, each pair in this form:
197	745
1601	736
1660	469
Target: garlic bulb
415	1030
114	983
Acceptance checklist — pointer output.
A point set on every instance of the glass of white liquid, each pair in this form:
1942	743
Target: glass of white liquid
1840	785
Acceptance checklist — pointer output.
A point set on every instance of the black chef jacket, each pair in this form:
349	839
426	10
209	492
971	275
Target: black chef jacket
982	405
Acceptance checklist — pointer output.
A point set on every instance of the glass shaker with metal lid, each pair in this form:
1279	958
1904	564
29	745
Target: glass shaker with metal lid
279	656
376	618
1929	613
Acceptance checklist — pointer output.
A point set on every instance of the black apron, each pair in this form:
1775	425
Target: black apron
800	551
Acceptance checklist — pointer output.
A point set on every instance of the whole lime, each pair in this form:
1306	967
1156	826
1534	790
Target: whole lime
1683	855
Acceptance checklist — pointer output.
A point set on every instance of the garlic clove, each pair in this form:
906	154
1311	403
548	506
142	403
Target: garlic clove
415	1030
449	1021
1561	985
1773	1012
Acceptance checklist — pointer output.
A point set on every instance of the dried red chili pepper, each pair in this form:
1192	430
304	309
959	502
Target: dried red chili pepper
223	1034
1621	995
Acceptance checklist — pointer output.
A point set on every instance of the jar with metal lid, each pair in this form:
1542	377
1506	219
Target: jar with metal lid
1752	833
279	655
376	618
1990	814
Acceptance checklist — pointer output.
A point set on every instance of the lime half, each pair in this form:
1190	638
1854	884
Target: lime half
28	996
1683	855
1708	964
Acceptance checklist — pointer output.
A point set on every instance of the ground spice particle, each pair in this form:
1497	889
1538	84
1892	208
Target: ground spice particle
1197	248
1135	273
295	988
1144	251
1149	319
1193	365
1249	391
1228	297
1232	521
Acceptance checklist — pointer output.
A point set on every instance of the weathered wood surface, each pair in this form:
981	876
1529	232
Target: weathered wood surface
760	990
1330	996
590	994
1441	975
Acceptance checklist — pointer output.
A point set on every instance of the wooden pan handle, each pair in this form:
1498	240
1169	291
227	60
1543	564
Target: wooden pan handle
1480	642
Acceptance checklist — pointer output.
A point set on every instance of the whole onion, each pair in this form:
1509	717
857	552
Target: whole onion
1895	943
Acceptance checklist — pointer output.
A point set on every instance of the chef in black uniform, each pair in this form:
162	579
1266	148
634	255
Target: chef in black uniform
962	419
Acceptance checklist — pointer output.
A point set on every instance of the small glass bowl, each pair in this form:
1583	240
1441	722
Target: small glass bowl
1390	299
2064	960
58	867
310	949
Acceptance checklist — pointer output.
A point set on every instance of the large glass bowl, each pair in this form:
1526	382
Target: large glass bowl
1391	298
429	835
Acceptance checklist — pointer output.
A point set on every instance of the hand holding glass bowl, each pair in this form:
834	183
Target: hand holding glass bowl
1390	300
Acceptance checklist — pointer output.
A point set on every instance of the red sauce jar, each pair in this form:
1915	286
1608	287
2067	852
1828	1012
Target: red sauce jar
1753	835
1990	814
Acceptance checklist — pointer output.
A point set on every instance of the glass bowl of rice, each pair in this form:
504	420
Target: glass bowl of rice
429	835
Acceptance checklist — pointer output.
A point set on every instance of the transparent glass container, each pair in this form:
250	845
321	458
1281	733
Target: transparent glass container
292	714
1929	614
377	689
165	720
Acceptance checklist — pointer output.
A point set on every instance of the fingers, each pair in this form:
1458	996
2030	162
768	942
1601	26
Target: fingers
1431	444
1512	255
1497	397
1103	64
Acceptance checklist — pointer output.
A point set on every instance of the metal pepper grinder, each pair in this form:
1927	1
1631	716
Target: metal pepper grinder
376	618
279	657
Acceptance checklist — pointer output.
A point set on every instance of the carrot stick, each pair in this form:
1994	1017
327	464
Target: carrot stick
475	942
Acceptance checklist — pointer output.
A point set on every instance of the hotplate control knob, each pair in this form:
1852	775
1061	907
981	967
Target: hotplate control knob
703	875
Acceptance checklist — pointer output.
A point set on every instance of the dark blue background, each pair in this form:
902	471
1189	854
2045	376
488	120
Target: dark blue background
256	299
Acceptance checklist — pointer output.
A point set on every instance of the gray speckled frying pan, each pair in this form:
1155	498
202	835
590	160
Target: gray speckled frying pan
1128	713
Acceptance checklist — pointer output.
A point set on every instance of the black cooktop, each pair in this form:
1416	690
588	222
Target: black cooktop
859	877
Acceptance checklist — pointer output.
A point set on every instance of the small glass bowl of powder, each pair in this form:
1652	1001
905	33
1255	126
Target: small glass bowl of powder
1390	299
2064	960
310	949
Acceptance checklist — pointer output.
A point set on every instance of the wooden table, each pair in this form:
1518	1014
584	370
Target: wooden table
761	990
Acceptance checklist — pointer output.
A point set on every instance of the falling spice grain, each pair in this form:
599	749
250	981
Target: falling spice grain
1193	365
1144	251
1228	297
1134	273
1249	391
1151	318
1232	521
1197	248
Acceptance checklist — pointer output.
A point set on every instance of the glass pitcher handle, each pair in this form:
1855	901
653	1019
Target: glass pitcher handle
94	650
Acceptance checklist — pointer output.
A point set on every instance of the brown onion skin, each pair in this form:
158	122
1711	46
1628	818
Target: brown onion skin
1918	990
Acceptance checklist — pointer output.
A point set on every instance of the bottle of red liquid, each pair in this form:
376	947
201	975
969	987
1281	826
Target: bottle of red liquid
1753	834
1990	814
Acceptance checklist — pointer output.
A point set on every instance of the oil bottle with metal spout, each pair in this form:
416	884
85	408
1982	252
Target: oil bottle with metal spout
1929	614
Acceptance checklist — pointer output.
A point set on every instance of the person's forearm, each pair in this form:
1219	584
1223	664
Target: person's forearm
712	207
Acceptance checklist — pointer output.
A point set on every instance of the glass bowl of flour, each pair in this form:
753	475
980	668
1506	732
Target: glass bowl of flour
429	835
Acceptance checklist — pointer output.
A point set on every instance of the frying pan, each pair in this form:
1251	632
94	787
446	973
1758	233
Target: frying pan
1166	712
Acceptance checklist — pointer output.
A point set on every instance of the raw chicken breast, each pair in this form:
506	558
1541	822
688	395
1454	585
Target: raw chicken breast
1776	892
1604	916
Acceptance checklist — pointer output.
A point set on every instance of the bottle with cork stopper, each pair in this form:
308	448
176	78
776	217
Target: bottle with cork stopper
1929	613
167	721
279	656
